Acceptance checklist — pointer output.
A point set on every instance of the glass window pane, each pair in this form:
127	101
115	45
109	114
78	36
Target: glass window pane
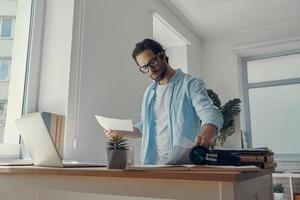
275	118
11	89
277	68
6	28
4	70
3	104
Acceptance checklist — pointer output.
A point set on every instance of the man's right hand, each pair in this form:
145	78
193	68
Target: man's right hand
112	133
128	134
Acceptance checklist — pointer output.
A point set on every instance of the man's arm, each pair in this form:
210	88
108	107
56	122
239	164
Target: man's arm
211	117
205	137
129	134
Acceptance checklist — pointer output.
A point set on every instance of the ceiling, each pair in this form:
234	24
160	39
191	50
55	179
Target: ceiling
212	19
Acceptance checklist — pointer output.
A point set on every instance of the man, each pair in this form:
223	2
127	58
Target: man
175	107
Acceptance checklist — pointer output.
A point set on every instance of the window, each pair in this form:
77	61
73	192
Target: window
272	86
16	55
4	70
2	112
4	77
6	28
174	43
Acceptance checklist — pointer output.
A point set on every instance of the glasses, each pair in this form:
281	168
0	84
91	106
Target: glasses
152	63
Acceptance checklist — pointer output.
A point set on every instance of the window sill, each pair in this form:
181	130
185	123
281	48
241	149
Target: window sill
9	151
6	38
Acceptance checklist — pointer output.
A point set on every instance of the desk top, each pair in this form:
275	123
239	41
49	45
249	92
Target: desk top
216	175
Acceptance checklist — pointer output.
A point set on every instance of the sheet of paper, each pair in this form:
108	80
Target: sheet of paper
158	167
115	124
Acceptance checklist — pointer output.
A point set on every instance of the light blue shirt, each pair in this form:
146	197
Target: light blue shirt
189	109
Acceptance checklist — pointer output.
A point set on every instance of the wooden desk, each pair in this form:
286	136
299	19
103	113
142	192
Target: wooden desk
216	185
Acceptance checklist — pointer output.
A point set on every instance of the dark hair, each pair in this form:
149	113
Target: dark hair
148	44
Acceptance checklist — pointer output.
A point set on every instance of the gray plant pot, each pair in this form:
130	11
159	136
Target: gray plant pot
278	196
117	159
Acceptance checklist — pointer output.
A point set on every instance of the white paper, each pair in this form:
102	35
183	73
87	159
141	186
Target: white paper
158	167
115	124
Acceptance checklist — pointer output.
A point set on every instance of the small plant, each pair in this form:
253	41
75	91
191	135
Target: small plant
117	143
228	110
278	188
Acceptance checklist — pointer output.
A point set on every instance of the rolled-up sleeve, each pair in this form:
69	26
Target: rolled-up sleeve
139	126
204	107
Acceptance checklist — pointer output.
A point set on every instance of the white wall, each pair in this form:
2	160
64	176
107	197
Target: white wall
103	77
6	47
221	68
178	57
8	8
56	56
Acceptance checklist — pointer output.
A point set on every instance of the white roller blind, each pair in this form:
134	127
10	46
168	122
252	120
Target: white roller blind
276	68
275	118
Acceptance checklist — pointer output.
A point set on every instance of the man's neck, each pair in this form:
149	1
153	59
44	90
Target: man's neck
170	73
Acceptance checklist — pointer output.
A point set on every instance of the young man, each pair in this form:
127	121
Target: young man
175	107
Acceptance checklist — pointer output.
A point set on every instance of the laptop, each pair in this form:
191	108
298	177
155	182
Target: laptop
39	143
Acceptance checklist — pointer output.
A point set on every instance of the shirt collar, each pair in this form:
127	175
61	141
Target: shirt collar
178	74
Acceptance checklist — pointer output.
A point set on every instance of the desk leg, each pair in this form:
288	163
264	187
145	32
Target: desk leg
259	188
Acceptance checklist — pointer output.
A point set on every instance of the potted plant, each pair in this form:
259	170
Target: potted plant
278	190
117	150
228	110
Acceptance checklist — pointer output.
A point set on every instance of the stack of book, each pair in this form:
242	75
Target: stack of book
56	126
261	157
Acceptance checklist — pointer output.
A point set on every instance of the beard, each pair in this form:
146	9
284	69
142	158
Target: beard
162	74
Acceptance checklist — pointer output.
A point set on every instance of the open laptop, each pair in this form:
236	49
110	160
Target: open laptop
39	143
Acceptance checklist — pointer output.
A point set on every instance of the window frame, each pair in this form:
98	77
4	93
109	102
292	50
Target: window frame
159	21
32	79
246	85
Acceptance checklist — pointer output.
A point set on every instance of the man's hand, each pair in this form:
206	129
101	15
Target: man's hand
203	141
129	134
206	136
112	133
